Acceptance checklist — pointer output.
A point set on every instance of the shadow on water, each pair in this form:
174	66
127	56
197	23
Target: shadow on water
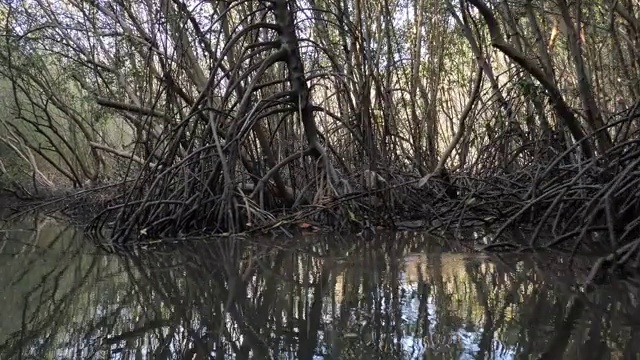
63	299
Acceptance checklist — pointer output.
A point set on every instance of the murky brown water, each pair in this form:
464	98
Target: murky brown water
403	298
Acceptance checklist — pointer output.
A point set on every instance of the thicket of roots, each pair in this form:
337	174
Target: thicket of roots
217	187
590	206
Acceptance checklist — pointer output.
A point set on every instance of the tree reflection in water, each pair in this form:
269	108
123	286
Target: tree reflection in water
239	299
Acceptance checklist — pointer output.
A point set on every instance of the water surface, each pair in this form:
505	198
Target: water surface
400	296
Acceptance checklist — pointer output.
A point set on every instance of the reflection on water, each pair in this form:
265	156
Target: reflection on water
63	299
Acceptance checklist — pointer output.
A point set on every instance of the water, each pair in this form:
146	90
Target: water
404	298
